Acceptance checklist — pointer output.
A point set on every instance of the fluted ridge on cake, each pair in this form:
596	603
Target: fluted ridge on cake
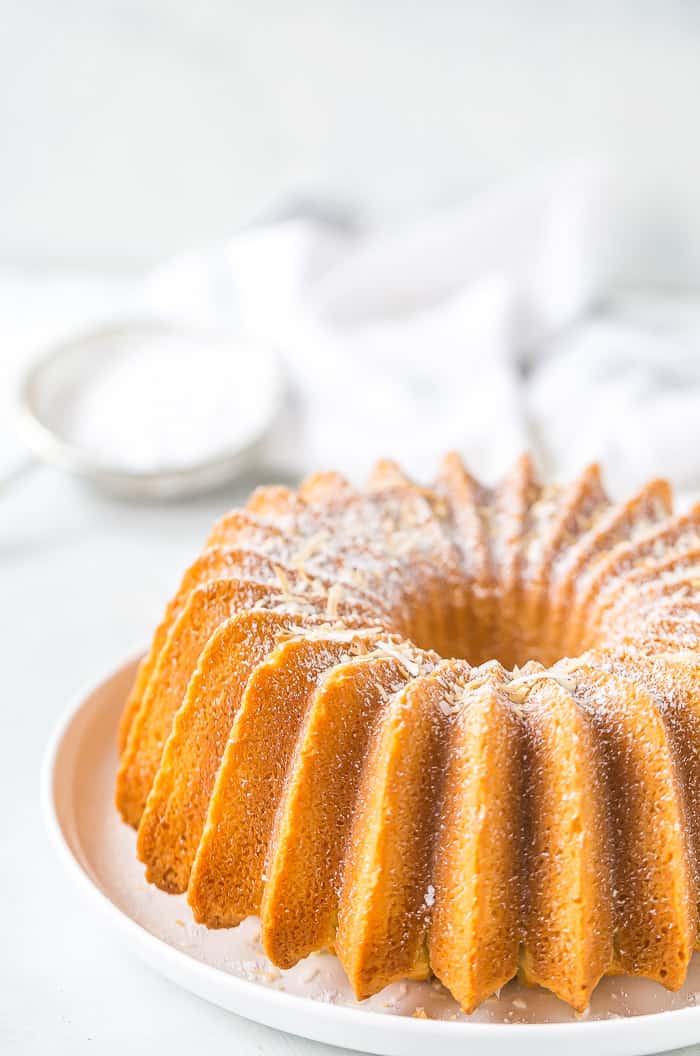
449	730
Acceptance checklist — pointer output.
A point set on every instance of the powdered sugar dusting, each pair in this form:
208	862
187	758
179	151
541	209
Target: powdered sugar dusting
594	758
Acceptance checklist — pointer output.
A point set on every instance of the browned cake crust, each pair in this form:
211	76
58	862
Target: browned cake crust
451	730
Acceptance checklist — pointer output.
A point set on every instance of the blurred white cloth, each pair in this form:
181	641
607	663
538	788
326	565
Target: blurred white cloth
411	343
481	328
624	389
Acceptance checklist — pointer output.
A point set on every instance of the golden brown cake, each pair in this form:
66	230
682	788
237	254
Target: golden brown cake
451	730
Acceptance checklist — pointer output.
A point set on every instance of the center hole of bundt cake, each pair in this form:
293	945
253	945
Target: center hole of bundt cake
510	650
491	629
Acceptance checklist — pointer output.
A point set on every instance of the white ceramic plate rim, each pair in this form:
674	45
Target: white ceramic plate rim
368	1031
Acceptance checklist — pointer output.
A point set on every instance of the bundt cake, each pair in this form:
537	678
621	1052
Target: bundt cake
451	730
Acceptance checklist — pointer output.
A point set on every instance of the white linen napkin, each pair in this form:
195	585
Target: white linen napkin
410	343
624	388
480	328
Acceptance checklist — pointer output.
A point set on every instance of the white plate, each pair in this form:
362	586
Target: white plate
312	999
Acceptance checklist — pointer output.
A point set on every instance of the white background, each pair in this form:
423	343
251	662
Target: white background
131	129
